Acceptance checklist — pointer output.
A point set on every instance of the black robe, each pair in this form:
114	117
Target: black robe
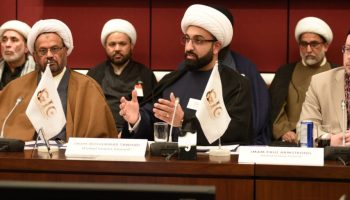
261	99
279	88
116	86
237	98
260	95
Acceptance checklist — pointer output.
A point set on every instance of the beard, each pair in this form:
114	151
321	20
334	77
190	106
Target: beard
56	67
122	61
198	63
312	60
14	57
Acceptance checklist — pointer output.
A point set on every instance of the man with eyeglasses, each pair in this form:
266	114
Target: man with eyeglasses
327	100
16	60
291	81
260	93
206	31
87	113
120	74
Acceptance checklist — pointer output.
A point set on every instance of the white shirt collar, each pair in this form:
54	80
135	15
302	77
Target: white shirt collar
57	79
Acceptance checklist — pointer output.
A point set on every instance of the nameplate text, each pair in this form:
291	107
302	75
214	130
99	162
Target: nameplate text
105	147
281	155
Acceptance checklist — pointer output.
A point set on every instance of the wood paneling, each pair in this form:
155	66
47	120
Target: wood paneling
232	181
263	30
335	13
86	20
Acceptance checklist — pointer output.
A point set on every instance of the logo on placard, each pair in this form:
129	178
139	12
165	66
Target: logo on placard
213	104
45	103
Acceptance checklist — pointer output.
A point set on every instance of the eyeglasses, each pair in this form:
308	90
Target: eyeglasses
195	40
345	50
53	50
313	44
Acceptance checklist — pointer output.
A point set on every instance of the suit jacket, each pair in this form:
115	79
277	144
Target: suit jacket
323	99
88	114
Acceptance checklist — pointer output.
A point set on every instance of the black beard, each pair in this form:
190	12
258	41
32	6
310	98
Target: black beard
198	63
122	61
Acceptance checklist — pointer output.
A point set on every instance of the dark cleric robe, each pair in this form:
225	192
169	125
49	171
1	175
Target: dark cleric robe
116	86
185	85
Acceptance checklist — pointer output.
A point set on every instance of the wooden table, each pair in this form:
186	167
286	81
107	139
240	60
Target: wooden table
301	182
232	181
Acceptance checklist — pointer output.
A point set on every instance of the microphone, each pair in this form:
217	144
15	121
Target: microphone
10	144
343	108
170	148
177	100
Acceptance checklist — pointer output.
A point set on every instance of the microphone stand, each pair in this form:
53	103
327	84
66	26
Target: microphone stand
7	144
177	100
343	105
46	142
18	101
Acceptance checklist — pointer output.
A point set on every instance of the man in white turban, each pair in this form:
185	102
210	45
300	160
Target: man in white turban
119	74
260	93
16	60
292	80
87	113
206	31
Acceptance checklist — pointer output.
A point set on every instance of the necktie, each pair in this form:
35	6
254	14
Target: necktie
347	97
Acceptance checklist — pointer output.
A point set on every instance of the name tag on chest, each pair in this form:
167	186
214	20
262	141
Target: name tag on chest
193	104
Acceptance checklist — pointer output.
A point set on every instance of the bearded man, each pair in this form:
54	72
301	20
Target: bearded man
288	89
87	114
16	60
120	74
206	31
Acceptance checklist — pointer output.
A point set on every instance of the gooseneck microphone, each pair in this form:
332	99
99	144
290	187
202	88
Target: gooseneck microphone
10	144
343	108
177	101
18	101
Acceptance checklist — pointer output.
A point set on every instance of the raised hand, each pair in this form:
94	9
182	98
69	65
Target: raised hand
164	111
129	110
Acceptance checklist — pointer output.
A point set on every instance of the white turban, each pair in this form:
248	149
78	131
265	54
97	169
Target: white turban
313	25
118	25
51	26
21	27
209	19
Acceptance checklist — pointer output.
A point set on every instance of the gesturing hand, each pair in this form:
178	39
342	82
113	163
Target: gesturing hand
164	111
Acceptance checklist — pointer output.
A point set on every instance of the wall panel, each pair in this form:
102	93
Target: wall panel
336	13
263	32
86	19
7	10
260	31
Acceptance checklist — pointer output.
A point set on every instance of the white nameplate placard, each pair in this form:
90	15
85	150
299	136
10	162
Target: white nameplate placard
105	147
281	155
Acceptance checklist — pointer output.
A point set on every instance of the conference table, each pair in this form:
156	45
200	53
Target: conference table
232	180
